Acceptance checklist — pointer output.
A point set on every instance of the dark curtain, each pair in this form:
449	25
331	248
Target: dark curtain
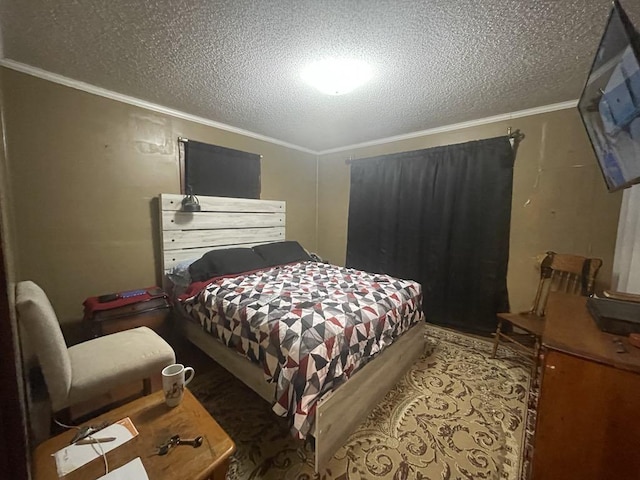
219	171
440	216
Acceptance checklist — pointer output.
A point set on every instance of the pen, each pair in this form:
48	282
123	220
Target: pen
89	441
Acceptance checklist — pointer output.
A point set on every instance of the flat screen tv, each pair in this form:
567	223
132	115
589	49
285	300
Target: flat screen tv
610	102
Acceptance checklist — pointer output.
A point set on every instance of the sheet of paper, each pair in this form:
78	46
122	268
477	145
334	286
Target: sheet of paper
134	470
74	456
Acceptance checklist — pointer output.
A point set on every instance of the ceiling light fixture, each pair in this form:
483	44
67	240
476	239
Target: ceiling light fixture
337	76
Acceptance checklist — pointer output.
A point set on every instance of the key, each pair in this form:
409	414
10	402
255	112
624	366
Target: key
166	446
195	443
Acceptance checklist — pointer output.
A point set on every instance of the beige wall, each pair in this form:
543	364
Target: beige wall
85	173
560	201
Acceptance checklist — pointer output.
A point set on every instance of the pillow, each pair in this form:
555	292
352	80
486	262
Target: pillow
280	253
179	274
225	262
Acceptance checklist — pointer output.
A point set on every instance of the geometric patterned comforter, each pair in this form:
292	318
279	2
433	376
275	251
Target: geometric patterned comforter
310	325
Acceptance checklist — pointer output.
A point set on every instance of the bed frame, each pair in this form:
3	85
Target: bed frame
232	222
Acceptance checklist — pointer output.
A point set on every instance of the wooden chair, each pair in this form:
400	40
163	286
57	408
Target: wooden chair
571	274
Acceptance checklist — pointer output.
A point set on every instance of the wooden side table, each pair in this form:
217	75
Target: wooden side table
156	423
148	310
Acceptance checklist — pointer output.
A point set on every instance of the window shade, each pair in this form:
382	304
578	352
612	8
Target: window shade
221	172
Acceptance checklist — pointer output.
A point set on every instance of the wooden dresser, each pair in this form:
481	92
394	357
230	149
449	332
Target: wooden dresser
588	420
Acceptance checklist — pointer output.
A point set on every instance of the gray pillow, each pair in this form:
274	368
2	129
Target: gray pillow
225	261
280	253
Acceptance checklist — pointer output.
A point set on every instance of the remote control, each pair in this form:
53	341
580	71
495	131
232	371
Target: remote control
132	293
110	297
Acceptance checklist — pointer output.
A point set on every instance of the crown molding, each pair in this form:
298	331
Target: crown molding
86	87
457	126
103	92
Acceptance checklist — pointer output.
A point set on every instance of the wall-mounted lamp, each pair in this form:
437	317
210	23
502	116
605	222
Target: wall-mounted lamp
190	202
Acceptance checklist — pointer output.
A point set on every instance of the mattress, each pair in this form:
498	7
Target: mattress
309	325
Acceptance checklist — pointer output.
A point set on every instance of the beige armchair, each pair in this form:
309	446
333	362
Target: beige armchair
92	368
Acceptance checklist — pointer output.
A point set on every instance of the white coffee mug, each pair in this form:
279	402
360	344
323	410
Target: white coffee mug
173	382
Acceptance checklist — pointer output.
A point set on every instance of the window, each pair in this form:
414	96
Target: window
219	171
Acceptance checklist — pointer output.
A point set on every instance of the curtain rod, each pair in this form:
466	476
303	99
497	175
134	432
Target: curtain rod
515	137
186	140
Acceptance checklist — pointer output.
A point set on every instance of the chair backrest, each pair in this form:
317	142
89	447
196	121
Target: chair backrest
561	272
40	323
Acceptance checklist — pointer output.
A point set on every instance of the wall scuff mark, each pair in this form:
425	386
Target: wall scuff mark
541	149
151	134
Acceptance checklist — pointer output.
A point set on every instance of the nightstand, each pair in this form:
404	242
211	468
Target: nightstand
150	308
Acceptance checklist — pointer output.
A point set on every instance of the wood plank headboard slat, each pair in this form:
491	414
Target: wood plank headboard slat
181	239
172	202
174	257
220	220
222	223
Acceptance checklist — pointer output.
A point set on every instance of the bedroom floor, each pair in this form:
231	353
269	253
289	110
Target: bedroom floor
456	413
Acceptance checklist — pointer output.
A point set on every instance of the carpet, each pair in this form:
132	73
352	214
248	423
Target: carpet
457	414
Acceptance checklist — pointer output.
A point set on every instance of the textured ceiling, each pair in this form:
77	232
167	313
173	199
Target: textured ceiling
237	62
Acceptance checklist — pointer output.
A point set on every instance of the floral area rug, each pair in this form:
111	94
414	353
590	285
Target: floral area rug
456	414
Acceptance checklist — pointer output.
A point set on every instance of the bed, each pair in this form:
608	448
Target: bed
335	410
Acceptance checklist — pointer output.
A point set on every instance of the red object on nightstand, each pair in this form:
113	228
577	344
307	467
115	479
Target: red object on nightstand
148	307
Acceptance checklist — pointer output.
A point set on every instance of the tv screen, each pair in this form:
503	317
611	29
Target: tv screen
610	102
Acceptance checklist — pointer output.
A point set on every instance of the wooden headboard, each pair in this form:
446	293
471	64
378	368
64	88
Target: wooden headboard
222	223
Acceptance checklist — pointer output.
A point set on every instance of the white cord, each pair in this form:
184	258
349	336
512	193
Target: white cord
101	452
65	426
